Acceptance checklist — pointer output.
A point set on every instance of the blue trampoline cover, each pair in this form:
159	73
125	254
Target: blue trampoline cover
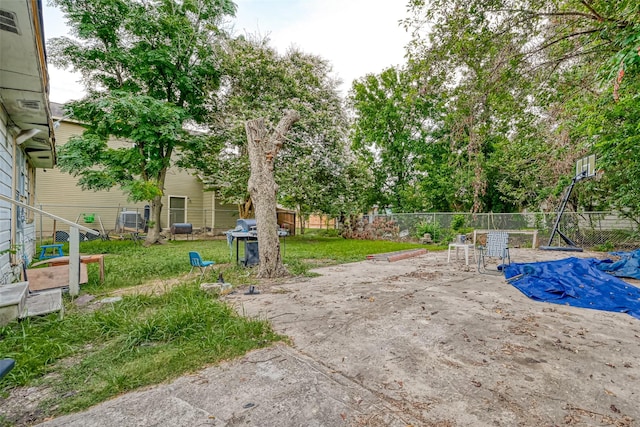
576	282
627	266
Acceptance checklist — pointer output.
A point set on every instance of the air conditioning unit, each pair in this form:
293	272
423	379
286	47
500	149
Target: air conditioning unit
130	221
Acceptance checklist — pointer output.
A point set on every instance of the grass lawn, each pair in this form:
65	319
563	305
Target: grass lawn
91	355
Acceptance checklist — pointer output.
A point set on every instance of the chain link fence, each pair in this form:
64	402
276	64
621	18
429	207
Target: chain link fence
105	219
590	230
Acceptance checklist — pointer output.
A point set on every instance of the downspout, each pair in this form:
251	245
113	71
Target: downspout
14	207
213	211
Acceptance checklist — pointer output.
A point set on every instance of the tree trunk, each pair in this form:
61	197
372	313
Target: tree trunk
302	220
263	189
153	234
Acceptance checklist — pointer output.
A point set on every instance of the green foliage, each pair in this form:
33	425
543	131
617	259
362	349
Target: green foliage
514	96
163	49
433	228
390	137
458	222
152	128
605	247
616	133
333	232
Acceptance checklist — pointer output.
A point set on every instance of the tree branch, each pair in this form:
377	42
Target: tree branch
574	54
538	13
568	36
592	10
286	122
592	16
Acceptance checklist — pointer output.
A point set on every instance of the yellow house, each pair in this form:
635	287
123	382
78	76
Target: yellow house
184	201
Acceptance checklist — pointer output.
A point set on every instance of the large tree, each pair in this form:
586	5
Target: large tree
150	69
392	132
259	82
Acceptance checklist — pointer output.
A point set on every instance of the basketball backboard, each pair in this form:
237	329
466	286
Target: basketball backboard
586	167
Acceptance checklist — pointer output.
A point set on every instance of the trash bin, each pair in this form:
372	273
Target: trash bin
251	254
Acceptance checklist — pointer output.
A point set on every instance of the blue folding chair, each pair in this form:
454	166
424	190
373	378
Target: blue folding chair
196	261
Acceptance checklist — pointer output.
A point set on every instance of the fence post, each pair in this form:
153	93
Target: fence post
74	261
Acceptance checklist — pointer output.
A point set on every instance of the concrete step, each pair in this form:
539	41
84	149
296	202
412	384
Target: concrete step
45	302
17	303
13	301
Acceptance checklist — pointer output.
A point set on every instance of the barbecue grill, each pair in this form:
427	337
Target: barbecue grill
181	228
247	231
246	225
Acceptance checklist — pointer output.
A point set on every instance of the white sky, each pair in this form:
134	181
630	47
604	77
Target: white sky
356	36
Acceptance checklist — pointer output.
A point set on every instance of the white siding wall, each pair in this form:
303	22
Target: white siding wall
6	172
25	230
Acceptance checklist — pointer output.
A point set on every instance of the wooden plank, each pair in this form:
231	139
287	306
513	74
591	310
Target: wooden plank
64	260
53	277
397	256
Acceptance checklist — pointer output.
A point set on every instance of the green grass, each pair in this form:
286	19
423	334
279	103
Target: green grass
128	264
91	355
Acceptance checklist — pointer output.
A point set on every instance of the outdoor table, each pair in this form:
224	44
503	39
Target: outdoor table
458	246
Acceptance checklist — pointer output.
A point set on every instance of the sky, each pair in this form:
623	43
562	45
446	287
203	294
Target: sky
356	36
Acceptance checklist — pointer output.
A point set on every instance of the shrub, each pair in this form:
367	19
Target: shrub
458	222
433	228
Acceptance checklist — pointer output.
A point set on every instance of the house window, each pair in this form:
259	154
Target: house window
177	209
31	191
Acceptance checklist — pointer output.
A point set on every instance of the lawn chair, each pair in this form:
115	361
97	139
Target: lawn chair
497	247
196	261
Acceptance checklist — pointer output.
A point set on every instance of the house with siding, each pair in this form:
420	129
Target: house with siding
26	130
184	200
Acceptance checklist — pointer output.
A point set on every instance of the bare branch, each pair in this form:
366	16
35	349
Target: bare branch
289	118
593	11
566	37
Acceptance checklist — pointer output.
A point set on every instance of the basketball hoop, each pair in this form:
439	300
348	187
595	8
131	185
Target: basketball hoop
586	167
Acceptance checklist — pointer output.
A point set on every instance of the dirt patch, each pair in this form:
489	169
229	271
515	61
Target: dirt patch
444	345
155	287
21	407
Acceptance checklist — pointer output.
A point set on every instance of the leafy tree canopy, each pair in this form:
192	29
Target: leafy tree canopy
313	165
525	87
151	68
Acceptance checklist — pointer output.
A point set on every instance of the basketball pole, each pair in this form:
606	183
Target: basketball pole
584	169
556	229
